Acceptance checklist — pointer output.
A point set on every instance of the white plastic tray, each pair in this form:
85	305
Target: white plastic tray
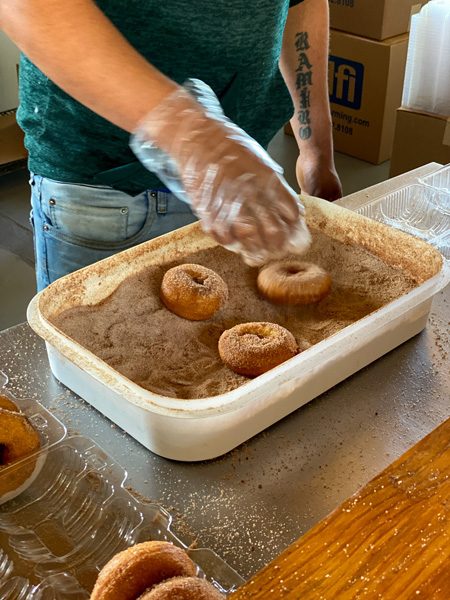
59	532
191	430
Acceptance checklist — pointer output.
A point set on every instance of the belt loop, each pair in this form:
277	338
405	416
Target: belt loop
161	202
35	182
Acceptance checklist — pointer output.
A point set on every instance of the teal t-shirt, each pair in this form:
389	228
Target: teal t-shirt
232	45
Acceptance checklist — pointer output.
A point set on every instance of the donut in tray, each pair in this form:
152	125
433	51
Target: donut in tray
152	570
253	348
292	282
193	292
18	440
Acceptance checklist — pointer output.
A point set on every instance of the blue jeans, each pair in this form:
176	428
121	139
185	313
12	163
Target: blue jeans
76	225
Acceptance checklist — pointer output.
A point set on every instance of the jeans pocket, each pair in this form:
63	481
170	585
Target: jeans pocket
88	222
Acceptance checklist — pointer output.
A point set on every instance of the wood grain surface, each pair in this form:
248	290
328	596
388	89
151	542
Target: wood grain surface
391	540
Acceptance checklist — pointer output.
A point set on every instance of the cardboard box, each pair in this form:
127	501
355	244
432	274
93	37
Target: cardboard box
13	154
377	19
365	81
419	138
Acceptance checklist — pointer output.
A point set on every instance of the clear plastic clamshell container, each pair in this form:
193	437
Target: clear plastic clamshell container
439	179
421	210
70	520
50	431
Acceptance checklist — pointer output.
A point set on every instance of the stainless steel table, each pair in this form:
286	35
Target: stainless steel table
251	504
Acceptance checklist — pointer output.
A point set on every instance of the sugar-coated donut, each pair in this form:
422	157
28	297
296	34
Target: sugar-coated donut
130	572
8	404
18	439
193	292
183	588
254	348
293	282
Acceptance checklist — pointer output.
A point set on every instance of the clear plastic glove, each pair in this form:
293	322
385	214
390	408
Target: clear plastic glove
233	186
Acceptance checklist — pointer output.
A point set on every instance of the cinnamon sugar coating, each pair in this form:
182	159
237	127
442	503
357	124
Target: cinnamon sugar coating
293	282
193	292
131	572
253	348
183	588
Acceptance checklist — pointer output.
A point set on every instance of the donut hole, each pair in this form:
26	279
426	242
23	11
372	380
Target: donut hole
196	276
251	336
198	279
261	334
294	270
2	454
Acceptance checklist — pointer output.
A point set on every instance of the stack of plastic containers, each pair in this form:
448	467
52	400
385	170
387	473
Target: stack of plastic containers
423	209
427	76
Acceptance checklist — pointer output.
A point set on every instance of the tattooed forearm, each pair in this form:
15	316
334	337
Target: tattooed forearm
303	83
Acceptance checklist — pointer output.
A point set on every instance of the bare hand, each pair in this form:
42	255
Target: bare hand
318	178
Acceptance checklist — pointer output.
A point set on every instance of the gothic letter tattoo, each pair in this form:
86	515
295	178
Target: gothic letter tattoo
303	83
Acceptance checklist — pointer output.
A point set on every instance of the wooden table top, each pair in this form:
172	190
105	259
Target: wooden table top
391	540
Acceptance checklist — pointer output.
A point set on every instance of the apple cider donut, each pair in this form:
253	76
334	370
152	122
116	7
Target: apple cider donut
293	282
131	572
183	588
18	438
193	292
253	348
8	404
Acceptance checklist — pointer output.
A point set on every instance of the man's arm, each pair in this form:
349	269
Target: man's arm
243	203
81	51
304	65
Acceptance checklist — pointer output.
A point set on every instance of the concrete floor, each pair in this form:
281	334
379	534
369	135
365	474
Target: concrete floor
16	240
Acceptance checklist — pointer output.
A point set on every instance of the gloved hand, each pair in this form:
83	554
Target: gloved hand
234	187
